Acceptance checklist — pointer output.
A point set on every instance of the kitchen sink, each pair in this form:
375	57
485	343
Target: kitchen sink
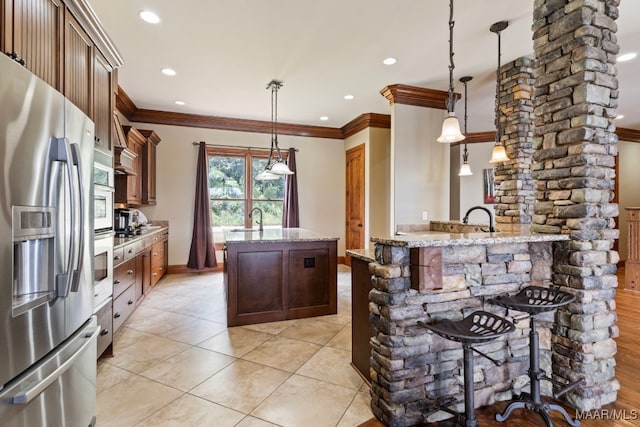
243	229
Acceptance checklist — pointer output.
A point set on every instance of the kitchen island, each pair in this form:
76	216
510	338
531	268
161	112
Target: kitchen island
432	275
279	274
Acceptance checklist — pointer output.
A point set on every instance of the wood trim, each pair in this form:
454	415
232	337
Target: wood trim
364	121
477	137
625	134
225	123
419	96
182	269
83	12
124	104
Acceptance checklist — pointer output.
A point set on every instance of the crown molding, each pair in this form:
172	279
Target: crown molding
124	104
364	121
418	96
626	134
225	123
83	12
477	137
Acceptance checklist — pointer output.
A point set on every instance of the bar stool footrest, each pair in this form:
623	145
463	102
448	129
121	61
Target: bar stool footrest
543	409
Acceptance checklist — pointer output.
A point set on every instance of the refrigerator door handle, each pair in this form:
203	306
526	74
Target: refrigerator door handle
75	281
34	390
60	151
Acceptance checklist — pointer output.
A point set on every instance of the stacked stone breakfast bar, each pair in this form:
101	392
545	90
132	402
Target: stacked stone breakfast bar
428	276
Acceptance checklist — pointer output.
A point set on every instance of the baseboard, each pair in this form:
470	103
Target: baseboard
341	260
183	269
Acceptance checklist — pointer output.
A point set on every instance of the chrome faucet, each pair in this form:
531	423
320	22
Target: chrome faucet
259	222
465	220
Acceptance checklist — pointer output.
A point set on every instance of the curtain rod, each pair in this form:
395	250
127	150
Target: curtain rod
240	146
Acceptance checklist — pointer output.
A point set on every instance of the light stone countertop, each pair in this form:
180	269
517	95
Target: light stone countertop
368	255
437	238
274	235
121	241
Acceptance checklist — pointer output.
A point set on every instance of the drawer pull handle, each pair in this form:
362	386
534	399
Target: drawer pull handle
104	332
115	316
155	254
129	271
116	282
155	274
117	257
130	251
130	302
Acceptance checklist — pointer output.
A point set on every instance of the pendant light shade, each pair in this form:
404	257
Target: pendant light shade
276	165
465	169
450	130
450	127
499	153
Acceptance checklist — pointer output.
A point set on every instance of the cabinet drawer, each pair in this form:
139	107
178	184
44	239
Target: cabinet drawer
123	306
118	256
123	276
130	250
633	214
157	255
105	321
156	274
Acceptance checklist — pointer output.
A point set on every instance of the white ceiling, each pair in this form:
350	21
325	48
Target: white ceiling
226	51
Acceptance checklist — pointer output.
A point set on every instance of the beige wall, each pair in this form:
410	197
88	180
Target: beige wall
470	189
321	181
420	166
629	190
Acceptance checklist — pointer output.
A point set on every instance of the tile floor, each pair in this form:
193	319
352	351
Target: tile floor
177	364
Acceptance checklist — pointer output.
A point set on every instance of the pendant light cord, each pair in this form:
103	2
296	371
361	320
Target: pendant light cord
450	100
498	126
465	153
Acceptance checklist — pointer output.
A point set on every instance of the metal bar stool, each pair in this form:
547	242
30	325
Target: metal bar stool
478	327
535	300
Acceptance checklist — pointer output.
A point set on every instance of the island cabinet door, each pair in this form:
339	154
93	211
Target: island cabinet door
308	278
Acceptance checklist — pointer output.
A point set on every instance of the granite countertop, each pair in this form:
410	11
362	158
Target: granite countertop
437	238
367	255
120	241
273	235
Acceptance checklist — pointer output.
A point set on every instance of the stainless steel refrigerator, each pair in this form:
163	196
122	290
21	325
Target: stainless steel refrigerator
47	334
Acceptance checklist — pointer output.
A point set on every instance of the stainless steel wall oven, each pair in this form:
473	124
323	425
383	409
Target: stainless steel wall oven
103	192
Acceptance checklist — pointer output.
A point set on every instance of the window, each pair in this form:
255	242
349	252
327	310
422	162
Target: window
233	190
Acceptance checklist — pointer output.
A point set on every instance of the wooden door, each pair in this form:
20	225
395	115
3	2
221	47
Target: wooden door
354	232
36	36
102	101
78	69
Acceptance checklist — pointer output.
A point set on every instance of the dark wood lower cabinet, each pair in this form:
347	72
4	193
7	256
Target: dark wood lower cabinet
268	282
362	331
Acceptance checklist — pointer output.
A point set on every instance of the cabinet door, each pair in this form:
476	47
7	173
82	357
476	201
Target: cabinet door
102	100
149	174
33	30
78	69
134	182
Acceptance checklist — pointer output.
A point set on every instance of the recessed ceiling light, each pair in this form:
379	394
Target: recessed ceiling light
168	72
149	17
389	61
324	118
627	56
179	102
349	97
619	116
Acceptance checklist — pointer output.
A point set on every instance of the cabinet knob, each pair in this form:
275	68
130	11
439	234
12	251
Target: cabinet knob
115	316
115	282
117	257
129	271
104	332
130	302
155	274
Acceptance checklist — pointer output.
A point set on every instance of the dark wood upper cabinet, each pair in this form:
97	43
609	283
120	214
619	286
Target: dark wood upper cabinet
103	99
33	30
78	69
149	167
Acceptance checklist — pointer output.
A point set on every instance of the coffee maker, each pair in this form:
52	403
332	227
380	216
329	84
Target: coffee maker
122	223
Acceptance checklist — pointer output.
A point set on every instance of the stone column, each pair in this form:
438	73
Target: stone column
515	191
576	93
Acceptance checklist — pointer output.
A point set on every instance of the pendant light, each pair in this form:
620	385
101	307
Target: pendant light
465	169
498	154
450	125
276	165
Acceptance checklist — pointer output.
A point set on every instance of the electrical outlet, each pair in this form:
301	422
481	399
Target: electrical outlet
425	216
